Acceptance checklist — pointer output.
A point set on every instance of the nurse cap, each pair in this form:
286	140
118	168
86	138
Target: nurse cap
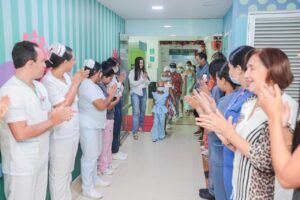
166	68
57	49
90	63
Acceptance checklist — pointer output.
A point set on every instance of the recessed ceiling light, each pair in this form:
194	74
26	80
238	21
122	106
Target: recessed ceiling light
172	35
157	7
167	26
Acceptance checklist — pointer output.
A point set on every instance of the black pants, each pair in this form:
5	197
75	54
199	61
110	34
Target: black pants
117	128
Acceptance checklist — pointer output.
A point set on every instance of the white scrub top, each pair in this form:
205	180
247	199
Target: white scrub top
89	115
24	157
57	90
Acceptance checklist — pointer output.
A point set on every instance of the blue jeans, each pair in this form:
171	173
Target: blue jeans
138	110
117	127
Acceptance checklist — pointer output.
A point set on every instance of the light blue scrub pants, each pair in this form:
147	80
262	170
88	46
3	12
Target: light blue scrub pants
91	146
158	129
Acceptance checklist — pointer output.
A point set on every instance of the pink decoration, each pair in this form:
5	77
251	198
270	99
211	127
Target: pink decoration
40	41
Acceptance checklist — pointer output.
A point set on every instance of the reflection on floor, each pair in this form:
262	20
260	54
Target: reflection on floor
166	170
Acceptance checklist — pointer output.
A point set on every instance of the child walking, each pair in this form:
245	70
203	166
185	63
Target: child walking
159	110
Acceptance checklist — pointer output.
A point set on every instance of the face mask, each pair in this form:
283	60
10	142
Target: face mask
191	68
116	69
179	70
163	78
168	78
160	89
234	80
172	70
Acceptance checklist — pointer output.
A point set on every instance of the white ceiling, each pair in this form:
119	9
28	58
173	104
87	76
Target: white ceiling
173	9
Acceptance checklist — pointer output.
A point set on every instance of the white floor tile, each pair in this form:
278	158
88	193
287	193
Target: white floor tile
168	169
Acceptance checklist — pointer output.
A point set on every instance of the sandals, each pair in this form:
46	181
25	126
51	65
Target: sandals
135	136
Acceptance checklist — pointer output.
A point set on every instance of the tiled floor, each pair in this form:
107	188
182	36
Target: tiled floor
166	170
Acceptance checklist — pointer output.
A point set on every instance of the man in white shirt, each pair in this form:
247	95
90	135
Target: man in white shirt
24	135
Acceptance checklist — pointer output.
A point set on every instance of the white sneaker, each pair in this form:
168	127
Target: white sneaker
168	126
123	154
108	171
118	156
102	183
174	119
92	193
113	167
180	115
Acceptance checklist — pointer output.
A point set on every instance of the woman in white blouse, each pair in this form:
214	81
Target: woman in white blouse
139	80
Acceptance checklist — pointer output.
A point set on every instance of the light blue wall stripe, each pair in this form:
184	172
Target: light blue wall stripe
15	20
46	22
34	11
2	37
8	40
49	28
70	25
22	18
98	33
87	26
60	21
77	33
55	23
28	16
41	17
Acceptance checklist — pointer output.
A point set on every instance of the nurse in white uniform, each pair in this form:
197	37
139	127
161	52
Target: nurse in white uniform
24	135
62	90
92	113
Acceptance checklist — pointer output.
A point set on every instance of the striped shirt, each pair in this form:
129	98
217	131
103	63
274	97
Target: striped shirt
253	177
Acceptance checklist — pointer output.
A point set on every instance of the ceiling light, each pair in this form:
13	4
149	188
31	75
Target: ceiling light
172	35
157	7
167	26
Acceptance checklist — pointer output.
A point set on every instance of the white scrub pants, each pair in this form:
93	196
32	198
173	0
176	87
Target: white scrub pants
62	158
91	146
27	187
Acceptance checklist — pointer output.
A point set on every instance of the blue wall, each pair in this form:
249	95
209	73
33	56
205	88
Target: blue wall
239	16
184	27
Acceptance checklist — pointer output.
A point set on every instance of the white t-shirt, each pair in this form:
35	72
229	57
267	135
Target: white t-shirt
24	157
89	115
57	90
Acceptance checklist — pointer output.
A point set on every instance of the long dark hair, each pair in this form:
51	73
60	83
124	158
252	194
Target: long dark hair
137	70
224	73
107	69
237	56
55	60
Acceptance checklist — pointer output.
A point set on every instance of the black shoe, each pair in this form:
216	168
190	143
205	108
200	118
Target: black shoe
206	174
204	194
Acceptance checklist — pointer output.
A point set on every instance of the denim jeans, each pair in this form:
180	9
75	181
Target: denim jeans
117	127
138	110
